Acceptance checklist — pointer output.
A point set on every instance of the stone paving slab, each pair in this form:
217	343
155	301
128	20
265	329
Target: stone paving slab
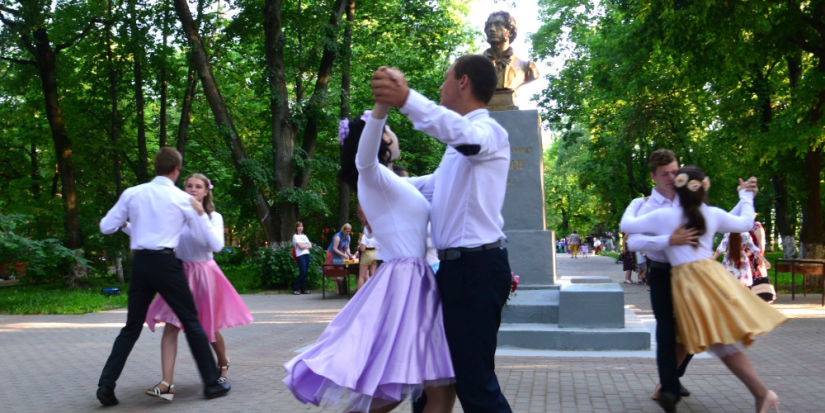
52	362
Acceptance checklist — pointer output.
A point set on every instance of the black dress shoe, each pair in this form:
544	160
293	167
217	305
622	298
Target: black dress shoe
683	391
106	396
668	402
216	389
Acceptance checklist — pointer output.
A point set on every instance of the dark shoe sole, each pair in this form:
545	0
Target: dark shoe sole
107	400
217	394
668	402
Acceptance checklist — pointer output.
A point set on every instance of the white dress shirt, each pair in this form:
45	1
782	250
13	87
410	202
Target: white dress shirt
653	245
157	212
467	192
664	221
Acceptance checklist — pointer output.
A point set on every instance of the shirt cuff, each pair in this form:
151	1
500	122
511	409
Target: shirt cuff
413	107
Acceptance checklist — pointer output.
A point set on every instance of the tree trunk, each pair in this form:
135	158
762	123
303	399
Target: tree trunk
119	269
188	96
35	169
164	87
812	234
783	225
316	102
186	111
223	119
140	103
283	131
47	65
113	94
344	189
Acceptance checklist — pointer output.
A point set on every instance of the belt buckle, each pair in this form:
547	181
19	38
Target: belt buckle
449	255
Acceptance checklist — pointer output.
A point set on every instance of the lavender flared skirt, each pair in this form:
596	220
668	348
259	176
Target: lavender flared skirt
219	305
386	344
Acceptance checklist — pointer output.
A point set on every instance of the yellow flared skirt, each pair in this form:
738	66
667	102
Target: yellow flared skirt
711	307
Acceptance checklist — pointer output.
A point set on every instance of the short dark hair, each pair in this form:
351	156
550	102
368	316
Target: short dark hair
481	72
166	160
661	157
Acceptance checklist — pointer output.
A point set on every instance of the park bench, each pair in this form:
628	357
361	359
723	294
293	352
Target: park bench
803	267
330	270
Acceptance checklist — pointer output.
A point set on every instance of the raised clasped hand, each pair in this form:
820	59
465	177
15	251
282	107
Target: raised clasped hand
389	86
749	185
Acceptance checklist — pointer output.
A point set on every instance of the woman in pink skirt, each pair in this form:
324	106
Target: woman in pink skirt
219	305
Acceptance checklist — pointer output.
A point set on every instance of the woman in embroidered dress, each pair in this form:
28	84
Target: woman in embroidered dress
737	261
388	342
713	312
219	305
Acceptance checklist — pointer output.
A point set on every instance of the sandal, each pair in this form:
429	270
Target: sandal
167	395
296	293
223	379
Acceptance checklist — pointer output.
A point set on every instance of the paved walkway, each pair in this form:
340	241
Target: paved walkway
51	363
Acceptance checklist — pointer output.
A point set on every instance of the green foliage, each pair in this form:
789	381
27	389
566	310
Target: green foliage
44	259
278	270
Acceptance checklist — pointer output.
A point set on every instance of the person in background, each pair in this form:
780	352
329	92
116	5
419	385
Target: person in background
628	261
641	264
574	243
367	263
302	256
736	246
339	247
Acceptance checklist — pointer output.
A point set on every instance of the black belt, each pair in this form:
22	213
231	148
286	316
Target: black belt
155	252
451	254
659	265
369	249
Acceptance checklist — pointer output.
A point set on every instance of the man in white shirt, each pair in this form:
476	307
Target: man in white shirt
467	194
663	169
157	211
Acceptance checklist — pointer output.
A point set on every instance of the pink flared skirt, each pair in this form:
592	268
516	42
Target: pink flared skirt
386	344
219	305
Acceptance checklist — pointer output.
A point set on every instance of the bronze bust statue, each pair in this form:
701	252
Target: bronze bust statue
512	72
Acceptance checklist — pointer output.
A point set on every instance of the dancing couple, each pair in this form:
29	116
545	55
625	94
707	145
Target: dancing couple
409	332
696	301
173	235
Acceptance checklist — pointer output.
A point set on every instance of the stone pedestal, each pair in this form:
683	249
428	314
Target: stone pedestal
503	99
530	246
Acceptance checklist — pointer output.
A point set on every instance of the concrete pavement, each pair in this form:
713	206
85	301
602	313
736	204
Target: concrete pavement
52	363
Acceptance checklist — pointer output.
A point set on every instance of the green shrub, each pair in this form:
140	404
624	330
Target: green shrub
45	259
278	270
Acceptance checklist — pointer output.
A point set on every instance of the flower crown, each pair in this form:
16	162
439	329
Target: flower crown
343	127
693	185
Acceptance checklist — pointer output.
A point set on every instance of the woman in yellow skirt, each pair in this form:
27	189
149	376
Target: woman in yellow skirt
713	311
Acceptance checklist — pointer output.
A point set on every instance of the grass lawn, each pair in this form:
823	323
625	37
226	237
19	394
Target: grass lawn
57	299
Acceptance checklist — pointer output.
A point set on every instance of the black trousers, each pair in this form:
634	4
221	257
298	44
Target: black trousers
661	298
161	273
473	290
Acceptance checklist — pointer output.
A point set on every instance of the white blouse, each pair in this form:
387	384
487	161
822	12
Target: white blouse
300	238
664	221
396	211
